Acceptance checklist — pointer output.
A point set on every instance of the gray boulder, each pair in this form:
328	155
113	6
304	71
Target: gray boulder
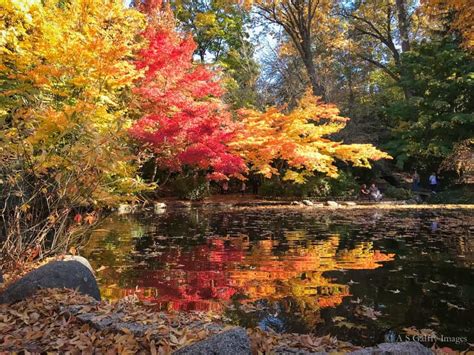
57	274
234	341
307	203
401	348
332	204
80	259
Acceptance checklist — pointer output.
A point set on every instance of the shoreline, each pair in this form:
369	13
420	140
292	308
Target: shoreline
127	325
293	204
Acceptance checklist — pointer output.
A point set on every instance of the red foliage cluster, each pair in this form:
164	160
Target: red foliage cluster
186	122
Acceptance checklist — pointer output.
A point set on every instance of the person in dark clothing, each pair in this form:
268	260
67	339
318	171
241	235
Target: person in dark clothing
415	183
364	192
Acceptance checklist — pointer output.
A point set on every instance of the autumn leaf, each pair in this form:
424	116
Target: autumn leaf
300	139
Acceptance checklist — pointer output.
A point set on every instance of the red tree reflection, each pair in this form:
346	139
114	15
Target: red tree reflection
205	277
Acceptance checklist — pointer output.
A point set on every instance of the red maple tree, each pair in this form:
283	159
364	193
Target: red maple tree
186	122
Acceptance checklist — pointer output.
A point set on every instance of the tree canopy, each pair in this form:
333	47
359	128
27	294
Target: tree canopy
93	91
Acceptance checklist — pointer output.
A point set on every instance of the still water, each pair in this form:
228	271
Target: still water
355	274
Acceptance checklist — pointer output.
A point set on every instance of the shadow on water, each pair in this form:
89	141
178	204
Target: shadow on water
354	274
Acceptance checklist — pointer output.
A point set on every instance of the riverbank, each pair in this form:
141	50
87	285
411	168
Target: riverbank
250	201
291	255
66	321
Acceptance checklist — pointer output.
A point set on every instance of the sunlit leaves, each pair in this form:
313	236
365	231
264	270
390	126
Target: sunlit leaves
65	70
459	10
185	121
299	139
439	114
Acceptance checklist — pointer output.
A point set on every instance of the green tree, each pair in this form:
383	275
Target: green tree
440	77
217	26
219	30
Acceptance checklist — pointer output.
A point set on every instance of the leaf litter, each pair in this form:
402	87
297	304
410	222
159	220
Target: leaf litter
60	320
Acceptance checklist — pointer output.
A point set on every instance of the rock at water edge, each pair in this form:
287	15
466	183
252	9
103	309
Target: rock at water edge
401	348
234	341
70	274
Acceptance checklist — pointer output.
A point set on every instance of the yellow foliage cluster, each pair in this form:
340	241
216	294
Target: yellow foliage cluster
66	76
65	73
464	16
298	139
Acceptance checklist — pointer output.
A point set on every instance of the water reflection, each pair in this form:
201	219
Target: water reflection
294	271
206	274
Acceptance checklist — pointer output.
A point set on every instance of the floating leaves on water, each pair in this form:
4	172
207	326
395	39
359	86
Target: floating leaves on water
427	333
368	312
350	325
455	306
449	285
274	253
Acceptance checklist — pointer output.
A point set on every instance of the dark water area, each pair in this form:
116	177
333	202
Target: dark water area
355	274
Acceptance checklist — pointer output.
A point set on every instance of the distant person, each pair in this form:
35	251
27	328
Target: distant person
225	187
415	181
364	192
433	180
243	188
255	181
375	193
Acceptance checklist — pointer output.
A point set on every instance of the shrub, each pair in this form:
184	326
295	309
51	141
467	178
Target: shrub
319	186
398	193
190	187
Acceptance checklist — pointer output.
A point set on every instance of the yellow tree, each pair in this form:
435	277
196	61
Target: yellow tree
299	140
65	75
463	16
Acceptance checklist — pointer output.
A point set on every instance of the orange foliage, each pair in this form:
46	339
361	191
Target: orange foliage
464	16
209	275
300	139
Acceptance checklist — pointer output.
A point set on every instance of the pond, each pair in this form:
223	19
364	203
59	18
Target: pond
356	274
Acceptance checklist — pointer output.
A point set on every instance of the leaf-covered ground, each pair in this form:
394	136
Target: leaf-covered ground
43	323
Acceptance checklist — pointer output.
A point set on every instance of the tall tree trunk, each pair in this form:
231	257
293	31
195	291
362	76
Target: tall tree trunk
297	18
403	26
318	90
351	99
202	55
